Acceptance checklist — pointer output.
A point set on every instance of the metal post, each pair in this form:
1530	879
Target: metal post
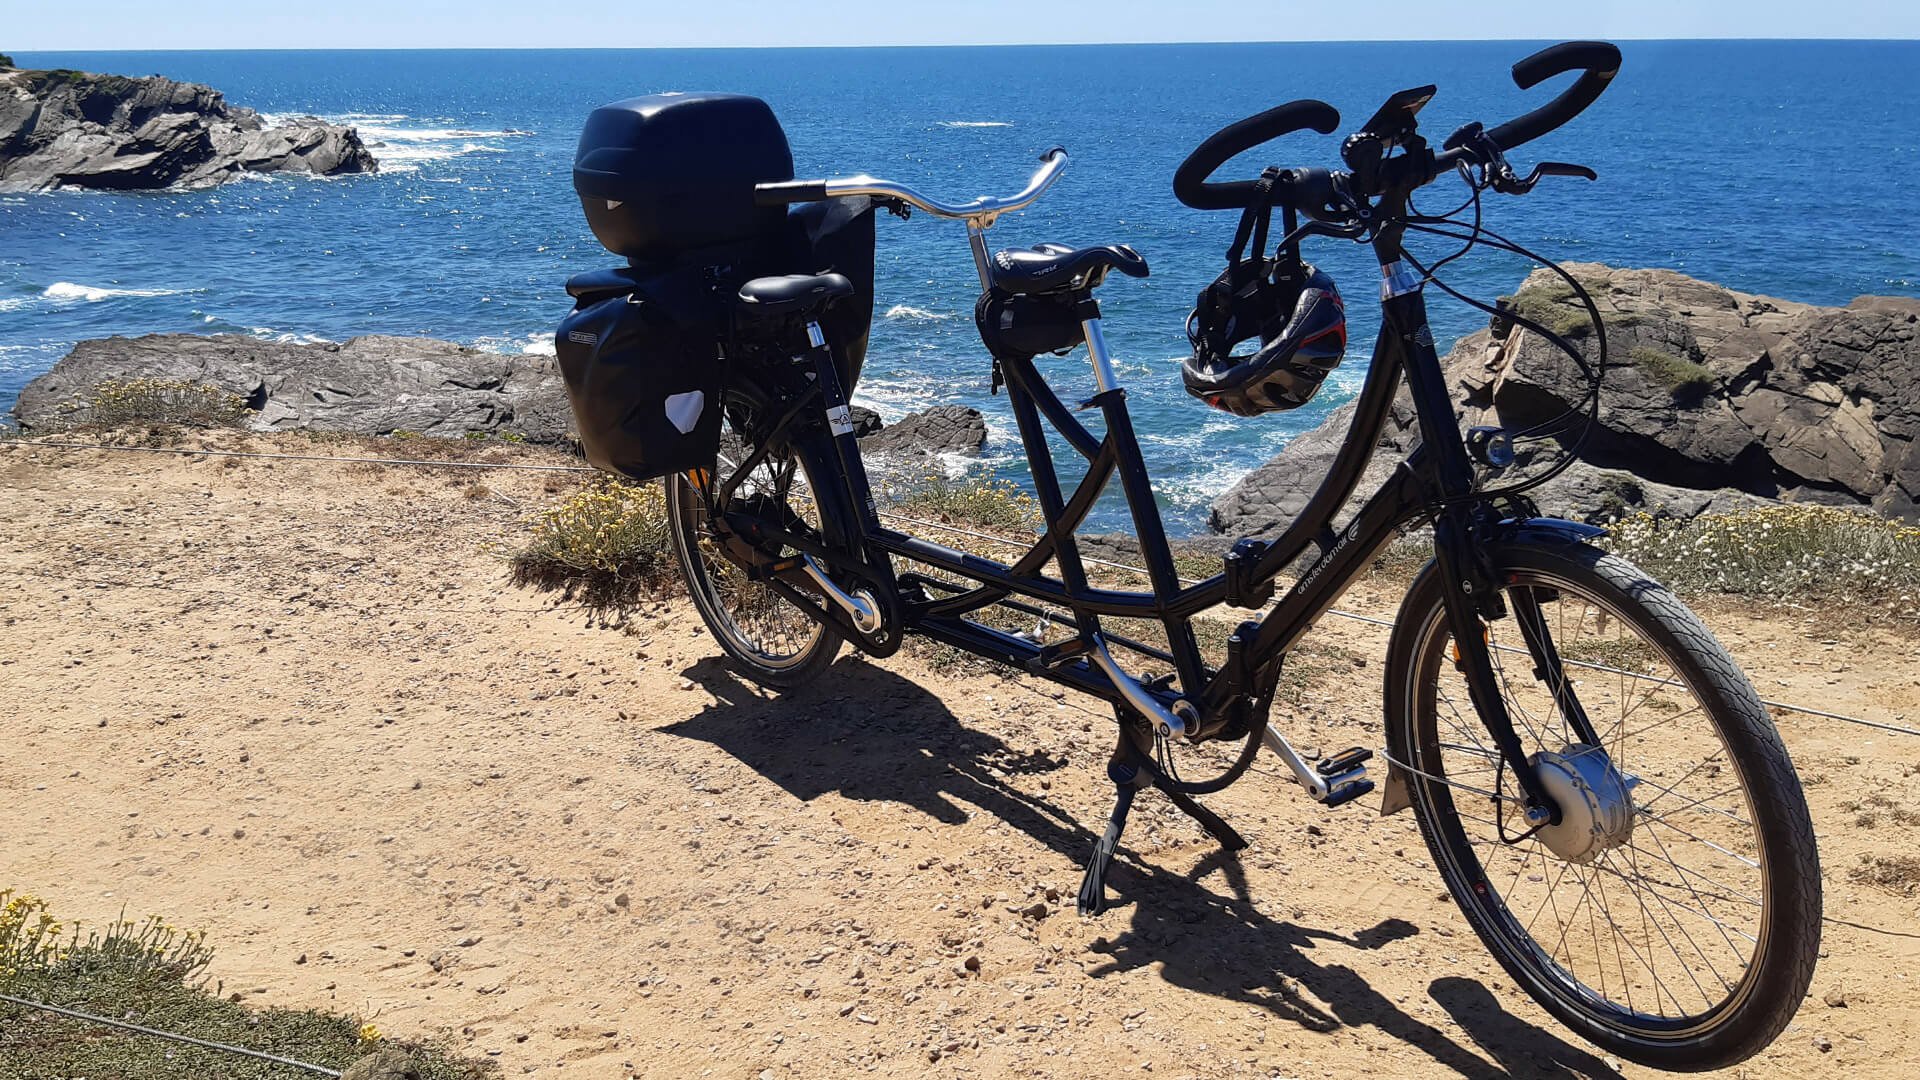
977	238
1097	352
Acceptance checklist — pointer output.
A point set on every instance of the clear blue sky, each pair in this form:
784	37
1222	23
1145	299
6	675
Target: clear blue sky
30	25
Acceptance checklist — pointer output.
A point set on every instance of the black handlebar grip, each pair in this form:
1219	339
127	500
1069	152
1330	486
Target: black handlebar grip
1189	180
1600	61
789	191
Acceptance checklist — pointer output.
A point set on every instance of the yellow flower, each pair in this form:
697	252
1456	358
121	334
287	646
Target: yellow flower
370	1034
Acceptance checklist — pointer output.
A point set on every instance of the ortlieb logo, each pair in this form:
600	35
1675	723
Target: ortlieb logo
583	337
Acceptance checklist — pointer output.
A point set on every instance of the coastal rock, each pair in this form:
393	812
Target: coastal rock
378	385
1713	399
110	132
372	385
942	429
865	421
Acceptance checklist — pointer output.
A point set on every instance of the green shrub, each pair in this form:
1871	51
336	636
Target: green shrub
1681	377
117	402
1791	552
6	61
152	974
606	546
970	502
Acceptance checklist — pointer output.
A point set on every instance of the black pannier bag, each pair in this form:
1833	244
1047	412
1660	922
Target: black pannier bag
642	370
837	237
667	181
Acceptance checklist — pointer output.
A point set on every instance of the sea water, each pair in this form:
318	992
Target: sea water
1785	168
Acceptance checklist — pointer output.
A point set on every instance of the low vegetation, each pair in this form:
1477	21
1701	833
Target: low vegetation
1788	553
152	974
995	505
1682	377
1895	873
6	62
125	402
605	547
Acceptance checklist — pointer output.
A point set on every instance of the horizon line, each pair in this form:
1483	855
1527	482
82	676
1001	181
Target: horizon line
17	51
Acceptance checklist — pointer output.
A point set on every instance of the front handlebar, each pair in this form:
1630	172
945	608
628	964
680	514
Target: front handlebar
1305	189
1189	180
1601	62
1053	163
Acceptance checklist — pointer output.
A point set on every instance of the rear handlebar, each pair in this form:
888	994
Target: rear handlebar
1053	163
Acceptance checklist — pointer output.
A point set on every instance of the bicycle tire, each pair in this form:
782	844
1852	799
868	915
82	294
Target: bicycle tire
709	575
1784	862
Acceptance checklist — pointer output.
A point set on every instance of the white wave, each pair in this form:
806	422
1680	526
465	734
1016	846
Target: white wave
1200	489
287	337
400	148
411	134
538	343
391	156
15	303
908	311
67	290
975	123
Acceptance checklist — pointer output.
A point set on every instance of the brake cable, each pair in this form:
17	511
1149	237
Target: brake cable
1594	375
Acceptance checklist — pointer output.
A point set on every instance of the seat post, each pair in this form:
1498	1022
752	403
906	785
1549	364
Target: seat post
977	239
1097	351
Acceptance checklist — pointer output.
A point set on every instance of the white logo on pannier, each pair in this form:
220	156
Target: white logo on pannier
684	409
582	337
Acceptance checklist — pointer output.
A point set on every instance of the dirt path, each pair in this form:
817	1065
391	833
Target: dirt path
297	705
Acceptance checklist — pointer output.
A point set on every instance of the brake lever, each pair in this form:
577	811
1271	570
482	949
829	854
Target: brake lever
1560	168
1505	182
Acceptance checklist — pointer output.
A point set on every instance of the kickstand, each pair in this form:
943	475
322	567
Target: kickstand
1131	768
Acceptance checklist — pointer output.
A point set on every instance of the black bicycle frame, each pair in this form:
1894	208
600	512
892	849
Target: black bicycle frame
1434	484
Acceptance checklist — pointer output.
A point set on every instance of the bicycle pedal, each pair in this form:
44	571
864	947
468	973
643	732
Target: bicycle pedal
773	569
1341	796
1343	762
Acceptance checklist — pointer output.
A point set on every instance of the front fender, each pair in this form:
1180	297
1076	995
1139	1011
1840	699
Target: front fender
1545	530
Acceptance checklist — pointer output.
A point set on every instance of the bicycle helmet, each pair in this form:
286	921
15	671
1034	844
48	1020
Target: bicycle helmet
1295	311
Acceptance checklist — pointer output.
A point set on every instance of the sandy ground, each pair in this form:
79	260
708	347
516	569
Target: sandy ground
297	704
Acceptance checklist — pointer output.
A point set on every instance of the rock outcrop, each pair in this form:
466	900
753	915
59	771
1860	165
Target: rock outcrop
1713	399
378	385
942	429
367	385
109	132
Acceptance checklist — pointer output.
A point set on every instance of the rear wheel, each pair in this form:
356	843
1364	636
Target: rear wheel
1672	916
772	642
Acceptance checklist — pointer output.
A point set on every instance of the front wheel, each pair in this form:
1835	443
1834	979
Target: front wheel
1672	914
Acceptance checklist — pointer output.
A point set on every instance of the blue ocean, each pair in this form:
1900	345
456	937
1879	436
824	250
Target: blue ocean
1786	168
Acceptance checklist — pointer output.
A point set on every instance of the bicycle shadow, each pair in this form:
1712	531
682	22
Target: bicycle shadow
1223	946
871	735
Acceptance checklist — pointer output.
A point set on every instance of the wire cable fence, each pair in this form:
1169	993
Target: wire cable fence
157	1033
896	517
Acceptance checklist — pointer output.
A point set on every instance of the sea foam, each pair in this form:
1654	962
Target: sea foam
67	290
